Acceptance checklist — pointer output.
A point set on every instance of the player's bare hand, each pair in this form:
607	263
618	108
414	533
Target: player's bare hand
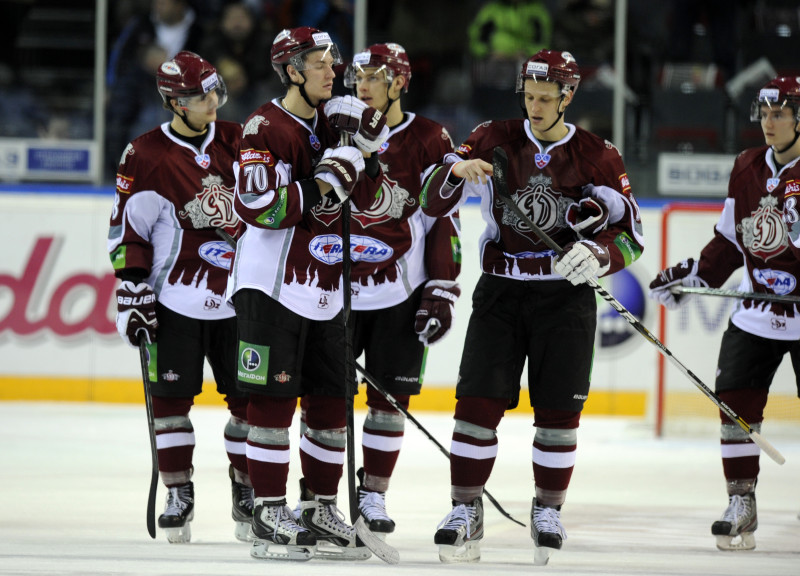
473	171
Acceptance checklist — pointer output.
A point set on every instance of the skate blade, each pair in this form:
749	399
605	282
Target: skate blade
181	535
744	541
376	543
329	551
243	532
541	555
469	552
266	550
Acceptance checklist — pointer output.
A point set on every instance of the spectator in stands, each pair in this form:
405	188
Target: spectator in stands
146	41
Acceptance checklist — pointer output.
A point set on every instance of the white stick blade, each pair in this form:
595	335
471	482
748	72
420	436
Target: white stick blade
768	448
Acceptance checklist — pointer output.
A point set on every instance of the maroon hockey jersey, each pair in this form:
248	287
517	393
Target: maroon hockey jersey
394	246
759	228
543	180
170	199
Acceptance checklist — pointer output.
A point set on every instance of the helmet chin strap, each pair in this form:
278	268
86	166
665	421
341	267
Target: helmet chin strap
794	140
560	114
190	126
303	92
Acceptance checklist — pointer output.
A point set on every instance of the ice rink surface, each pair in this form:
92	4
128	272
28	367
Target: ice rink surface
74	481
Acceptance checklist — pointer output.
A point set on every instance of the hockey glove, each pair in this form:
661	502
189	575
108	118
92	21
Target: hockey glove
365	123
684	274
588	217
436	311
583	261
136	312
340	167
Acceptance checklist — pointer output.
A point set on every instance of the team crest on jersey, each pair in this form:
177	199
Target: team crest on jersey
778	281
764	232
212	207
542	160
773	183
253	125
543	205
129	151
390	202
203	160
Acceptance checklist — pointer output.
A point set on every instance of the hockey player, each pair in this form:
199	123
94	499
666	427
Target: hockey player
174	190
528	305
286	286
404	267
759	228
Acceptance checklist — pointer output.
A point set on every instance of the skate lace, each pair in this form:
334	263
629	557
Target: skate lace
178	499
461	516
244	496
373	506
284	519
739	507
333	518
548	520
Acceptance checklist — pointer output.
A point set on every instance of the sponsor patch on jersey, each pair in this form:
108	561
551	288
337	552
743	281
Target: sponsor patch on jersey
326	248
124	184
368	249
778	281
625	182
253	363
792	188
253	156
217	253
464	150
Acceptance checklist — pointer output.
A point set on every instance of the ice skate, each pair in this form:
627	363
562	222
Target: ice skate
278	536
242	510
734	531
337	539
372	506
459	535
547	532
179	512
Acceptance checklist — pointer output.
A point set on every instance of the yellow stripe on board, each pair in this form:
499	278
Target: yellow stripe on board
26	388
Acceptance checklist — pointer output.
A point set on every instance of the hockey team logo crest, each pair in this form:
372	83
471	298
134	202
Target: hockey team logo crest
388	205
773	183
203	160
543	205
282	378
315	143
764	232
542	160
212	207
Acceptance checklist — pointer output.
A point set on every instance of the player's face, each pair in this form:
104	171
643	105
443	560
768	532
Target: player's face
778	125
372	87
543	104
201	109
319	75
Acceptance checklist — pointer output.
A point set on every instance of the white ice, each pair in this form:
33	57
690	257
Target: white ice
74	481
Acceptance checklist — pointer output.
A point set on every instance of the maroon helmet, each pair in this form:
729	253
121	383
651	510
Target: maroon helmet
291	46
778	93
391	58
551	66
187	75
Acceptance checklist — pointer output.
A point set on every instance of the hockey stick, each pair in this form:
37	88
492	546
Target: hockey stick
400	408
500	169
151	429
765	296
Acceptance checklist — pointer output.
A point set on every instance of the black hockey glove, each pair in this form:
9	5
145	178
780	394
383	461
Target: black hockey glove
436	311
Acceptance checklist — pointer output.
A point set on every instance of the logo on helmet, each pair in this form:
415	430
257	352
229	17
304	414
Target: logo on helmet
170	68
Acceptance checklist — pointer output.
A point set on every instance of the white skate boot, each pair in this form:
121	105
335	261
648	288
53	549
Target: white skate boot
242	510
277	534
179	512
460	533
547	532
734	531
